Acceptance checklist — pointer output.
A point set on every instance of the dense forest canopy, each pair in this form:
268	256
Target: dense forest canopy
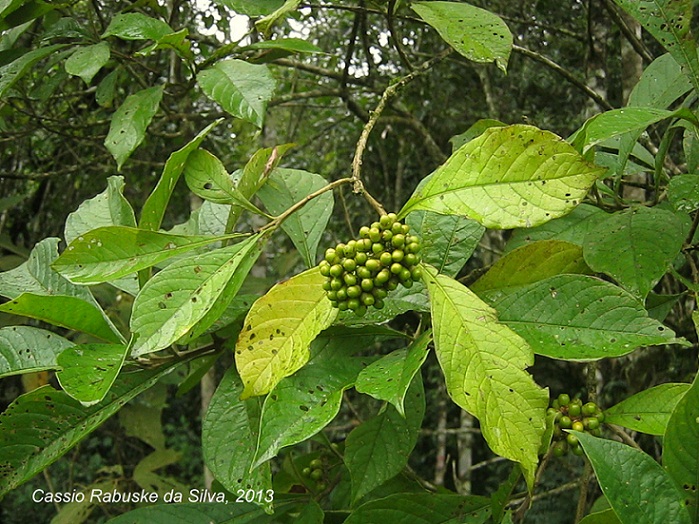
339	261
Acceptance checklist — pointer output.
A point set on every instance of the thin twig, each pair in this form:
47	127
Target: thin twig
584	488
390	91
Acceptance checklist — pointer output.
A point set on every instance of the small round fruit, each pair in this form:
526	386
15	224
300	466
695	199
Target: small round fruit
379	293
324	268
316	464
563	399
600	417
589	409
560	448
382	277
398	240
386	222
554	404
572	440
397	255
353	304
577	450
407	283
386	259
405	275
396	268
596	432
354	291
565	422
377	248
387	235
392	284
336	270
349	264
367	284
336	284
397	228
306	472
350	249
361	258
364	231
360	311
321	486
416	273
350	279
574	410
406	229
363	272
316	474
410	260
375	225
373	265
340	249
330	255
591	423
368	299
341	294
379	304
342	306
326	285
375	234
392	216
578	426
332	295
412	247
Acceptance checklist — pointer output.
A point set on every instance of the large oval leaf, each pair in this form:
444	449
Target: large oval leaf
242	89
475	33
89	370
483	363
579	317
635	246
182	294
25	349
278	330
636	486
649	410
514	176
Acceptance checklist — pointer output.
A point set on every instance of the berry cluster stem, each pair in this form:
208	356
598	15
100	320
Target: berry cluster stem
374	116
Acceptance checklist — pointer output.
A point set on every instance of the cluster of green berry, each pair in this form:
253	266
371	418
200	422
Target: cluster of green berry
573	414
360	273
315	472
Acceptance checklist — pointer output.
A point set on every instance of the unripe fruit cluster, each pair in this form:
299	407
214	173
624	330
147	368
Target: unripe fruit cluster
573	414
360	273
315	472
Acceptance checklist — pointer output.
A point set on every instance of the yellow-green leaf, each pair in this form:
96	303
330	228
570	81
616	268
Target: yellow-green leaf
483	363
513	176
278	330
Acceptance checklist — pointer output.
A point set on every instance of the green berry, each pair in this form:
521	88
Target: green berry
363	272
577	450
335	270
373	265
563	399
349	264
374	234
596	432
397	255
340	250
367	299
397	228
375	225
405	275
306	472
406	229
350	249
364	231
392	284
574	410
589	409
398	240
367	284
387	235
565	422
407	283
396	268
382	277
572	440
416	273
341	294
326	285
386	259
377	248
600	417
379	304
361	258
410	260
412	247
386	222
336	284
342	306
379	293
560	448
360	311
316	463
591	423
350	279
353	303
354	291
317	474
578	426
332	295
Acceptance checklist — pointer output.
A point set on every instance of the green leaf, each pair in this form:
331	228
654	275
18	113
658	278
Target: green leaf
240	88
531	263
252	8
15	70
638	489
293	45
570	228
25	349
681	448
129	123
601	517
182	294
229	433
389	377
398	302
265	24
635	247
22	12
112	252
647	411
207	178
669	22
477	34
137	26
109	208
661	83
311	513
577	317
176	40
474	131
204	513
87	61
68	312
286	187
154	208
514	176
89	370
278	330
36	276
409	508
378	449
447	241
483	363
305	402
40	426
683	192
616	122
106	89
